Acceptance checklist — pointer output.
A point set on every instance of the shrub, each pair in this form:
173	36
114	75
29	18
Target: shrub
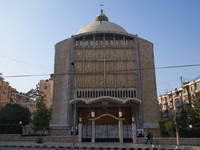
185	132
10	129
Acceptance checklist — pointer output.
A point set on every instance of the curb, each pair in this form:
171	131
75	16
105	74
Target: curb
105	148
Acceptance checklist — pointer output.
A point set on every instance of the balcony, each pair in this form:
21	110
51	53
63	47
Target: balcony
170	100
164	102
170	105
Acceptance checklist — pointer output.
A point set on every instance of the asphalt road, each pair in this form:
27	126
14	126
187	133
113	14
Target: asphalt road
31	148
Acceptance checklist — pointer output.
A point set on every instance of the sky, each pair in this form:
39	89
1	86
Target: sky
30	29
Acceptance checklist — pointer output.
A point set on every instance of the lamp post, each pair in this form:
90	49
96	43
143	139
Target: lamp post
74	129
20	123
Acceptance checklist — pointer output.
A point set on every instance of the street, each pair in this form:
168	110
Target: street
35	148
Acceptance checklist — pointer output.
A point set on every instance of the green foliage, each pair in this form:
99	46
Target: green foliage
195	110
170	128
42	115
161	125
183	119
14	113
39	140
186	132
10	129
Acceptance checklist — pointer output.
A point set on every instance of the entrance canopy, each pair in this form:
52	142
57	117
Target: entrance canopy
108	98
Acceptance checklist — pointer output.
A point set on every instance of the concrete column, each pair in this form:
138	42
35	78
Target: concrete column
80	132
93	131
134	137
120	131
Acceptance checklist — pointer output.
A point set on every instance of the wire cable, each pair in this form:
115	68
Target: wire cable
26	63
128	71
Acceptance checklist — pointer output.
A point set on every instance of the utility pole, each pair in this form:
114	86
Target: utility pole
182	93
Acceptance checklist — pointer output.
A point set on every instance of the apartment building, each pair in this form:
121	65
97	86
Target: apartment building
178	99
9	94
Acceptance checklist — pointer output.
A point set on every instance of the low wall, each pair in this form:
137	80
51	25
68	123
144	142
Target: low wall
157	140
10	137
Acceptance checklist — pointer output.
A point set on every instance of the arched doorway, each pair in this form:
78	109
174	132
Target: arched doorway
107	125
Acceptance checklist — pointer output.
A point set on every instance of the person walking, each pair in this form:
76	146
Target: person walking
148	137
151	138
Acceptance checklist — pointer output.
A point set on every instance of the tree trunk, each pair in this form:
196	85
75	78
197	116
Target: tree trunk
177	133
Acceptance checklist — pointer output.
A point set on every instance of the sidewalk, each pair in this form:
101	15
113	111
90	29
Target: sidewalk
89	145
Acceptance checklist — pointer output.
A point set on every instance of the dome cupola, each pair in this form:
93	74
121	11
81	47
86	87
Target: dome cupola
102	24
101	17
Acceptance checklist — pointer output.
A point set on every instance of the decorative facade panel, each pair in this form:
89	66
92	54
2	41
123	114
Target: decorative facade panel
131	79
109	66
121	80
99	66
78	67
99	54
99	80
109	54
88	80
130	53
120	66
110	80
88	54
88	67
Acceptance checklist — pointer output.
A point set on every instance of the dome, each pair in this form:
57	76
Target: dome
101	24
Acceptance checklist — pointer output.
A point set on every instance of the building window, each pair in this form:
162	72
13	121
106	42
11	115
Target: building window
112	93
131	94
134	93
93	93
45	87
44	95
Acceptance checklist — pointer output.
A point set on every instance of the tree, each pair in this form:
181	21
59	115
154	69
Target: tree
176	114
14	113
42	115
194	111
161	125
183	119
170	127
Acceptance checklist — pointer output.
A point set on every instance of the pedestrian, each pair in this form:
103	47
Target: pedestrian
151	138
148	137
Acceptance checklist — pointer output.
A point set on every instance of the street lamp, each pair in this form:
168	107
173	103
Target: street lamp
20	123
74	129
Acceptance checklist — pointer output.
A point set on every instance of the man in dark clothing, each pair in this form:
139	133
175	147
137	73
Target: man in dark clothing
148	137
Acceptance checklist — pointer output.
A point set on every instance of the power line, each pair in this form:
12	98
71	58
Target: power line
166	67
21	76
25	63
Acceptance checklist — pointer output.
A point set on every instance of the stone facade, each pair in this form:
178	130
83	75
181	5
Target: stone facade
112	70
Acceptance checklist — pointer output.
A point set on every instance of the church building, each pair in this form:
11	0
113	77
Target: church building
105	70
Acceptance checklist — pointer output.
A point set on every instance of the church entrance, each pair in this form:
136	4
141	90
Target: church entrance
106	124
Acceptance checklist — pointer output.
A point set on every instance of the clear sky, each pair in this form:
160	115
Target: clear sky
29	30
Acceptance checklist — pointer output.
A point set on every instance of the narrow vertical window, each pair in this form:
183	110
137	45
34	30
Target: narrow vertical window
134	93
131	94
